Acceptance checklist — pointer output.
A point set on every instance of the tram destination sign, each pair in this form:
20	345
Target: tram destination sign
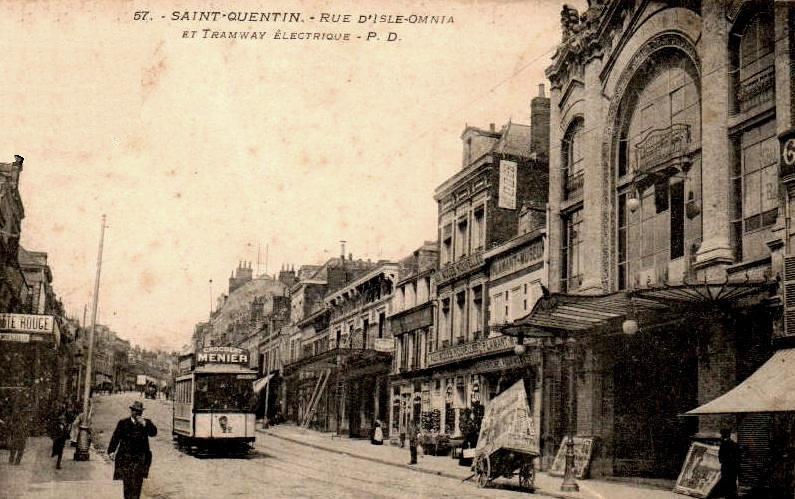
222	355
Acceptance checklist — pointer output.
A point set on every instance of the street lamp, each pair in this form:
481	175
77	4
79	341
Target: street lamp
569	482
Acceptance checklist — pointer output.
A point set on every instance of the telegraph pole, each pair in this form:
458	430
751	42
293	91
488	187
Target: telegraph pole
83	439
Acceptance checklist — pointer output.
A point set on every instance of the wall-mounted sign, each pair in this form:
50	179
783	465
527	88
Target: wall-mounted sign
787	154
473	349
507	185
459	268
222	355
18	337
384	345
518	260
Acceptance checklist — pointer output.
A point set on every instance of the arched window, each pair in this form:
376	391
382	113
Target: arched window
753	44
660	131
572	160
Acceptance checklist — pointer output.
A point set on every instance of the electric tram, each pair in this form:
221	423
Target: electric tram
214	399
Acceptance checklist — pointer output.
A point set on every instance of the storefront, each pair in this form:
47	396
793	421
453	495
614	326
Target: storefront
464	379
28	374
643	358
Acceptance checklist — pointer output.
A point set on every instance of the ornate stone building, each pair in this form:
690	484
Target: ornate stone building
667	224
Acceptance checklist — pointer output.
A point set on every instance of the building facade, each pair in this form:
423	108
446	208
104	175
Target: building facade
411	322
664	233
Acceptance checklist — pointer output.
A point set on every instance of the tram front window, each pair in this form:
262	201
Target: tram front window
223	392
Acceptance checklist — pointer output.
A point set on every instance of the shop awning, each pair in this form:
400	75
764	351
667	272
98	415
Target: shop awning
770	389
262	382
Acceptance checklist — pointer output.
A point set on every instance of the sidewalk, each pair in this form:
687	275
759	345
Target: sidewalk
37	478
448	467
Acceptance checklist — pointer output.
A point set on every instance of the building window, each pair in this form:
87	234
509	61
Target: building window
476	325
462	241
752	52
447	244
759	168
478	228
571	261
572	159
663	116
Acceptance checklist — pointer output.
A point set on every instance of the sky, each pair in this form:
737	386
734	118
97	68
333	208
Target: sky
201	151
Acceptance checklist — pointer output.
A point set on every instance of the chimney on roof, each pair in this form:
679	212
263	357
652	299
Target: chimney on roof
342	250
539	125
492	128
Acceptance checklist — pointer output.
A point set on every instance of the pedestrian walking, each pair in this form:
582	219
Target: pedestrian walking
729	457
378	434
129	448
413	435
59	433
17	433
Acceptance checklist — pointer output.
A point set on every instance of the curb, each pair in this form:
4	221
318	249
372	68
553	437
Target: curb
557	495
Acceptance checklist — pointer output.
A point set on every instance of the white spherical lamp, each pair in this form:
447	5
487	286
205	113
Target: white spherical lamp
633	204
630	327
519	349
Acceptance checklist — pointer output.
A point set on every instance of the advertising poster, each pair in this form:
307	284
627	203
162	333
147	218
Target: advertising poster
700	472
583	450
508	423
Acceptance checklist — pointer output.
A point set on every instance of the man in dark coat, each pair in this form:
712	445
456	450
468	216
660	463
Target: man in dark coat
729	457
413	436
129	447
17	433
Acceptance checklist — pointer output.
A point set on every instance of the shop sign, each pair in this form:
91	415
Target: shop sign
30	323
507	185
473	349
384	345
222	355
18	337
661	146
459	268
515	261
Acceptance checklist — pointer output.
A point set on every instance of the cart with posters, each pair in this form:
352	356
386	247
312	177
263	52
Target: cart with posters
508	443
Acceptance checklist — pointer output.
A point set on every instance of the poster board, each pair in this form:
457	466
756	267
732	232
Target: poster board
700	472
583	451
508	423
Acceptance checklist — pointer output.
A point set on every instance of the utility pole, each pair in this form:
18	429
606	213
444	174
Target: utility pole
83	439
211	298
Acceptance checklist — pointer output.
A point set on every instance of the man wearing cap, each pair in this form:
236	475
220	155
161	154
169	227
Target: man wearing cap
129	448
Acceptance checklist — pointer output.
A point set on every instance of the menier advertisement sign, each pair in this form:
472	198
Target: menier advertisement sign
222	355
508	423
507	185
28	327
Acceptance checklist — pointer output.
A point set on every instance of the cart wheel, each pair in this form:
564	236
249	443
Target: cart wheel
483	470
527	475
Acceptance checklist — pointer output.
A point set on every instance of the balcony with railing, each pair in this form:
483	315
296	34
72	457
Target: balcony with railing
573	186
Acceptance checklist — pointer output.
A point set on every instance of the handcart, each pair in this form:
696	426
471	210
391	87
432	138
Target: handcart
505	462
508	442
